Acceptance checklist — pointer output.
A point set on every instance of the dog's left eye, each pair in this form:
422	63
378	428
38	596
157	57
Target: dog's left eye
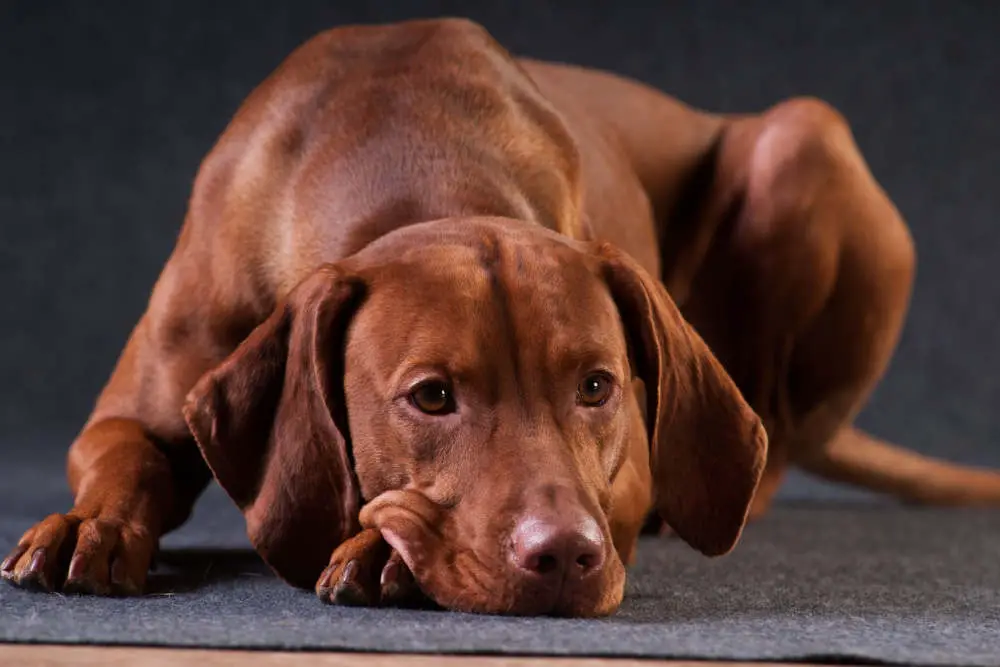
433	398
595	390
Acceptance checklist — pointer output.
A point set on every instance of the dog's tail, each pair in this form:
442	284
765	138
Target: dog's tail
855	457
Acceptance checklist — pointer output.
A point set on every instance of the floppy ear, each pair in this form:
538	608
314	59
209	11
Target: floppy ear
271	424
708	446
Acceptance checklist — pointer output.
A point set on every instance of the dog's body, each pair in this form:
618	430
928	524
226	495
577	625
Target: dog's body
415	186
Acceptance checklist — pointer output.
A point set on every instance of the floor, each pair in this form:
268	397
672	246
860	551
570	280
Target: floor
86	656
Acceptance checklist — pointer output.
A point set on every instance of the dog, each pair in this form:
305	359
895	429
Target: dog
449	323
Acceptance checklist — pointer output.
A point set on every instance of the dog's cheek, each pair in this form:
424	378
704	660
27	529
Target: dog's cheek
614	590
375	446
378	458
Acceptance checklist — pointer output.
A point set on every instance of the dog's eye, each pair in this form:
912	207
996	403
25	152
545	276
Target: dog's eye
595	390
433	398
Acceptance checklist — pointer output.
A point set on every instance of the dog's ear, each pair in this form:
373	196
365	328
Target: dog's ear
708	446
271	424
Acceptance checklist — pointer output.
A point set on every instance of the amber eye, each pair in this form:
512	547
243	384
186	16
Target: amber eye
595	390
433	397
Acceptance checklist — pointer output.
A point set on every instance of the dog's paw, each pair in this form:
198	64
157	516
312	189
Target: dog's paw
365	571
87	556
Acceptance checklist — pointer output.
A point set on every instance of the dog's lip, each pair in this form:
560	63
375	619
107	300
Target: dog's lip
405	519
396	502
401	546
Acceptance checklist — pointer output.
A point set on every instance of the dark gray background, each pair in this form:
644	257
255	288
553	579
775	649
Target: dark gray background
107	108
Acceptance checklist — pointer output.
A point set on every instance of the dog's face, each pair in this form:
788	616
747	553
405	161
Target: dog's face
465	387
491	381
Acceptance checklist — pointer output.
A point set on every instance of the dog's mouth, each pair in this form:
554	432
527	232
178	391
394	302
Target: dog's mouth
425	537
409	522
461	578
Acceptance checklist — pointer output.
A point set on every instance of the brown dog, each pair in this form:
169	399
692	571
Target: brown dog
433	311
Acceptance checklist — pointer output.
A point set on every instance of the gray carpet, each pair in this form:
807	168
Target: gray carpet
845	581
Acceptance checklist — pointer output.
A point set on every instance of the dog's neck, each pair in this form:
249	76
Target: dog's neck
547	193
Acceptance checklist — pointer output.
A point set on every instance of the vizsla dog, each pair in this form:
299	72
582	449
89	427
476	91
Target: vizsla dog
444	321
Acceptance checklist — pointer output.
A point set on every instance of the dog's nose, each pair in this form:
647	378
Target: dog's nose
557	549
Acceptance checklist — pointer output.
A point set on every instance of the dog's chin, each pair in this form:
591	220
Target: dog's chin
499	598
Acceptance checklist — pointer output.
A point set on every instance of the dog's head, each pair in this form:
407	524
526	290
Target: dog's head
466	388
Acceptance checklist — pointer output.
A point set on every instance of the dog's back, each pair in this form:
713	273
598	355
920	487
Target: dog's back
343	143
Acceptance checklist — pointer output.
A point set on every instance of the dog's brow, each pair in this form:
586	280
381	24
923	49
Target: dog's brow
584	359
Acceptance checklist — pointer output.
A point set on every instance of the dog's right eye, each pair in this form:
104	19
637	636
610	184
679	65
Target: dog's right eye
595	390
433	398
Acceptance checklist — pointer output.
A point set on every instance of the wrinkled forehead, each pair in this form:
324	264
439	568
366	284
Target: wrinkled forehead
447	302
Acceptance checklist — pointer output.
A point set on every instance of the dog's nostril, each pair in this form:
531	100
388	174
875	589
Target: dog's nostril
586	561
546	563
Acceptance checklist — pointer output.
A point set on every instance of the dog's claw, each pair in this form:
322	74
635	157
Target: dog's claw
324	586
37	565
77	569
10	562
398	586
350	589
33	577
390	579
76	578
